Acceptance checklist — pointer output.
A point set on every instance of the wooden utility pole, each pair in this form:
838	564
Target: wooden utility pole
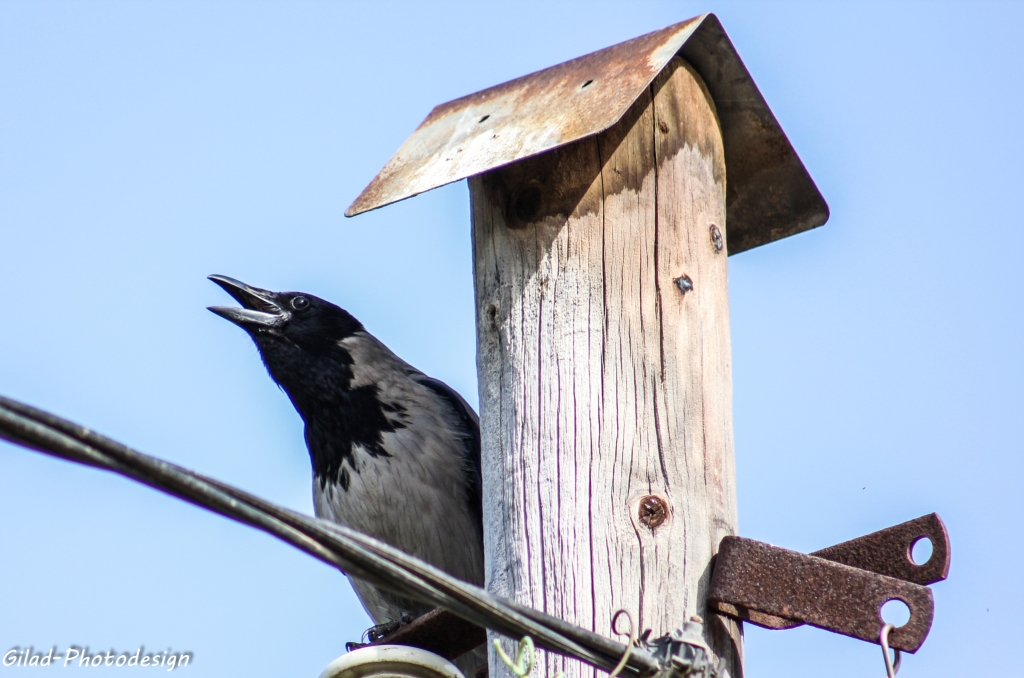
604	363
600	243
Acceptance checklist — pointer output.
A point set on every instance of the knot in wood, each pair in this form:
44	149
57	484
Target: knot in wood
653	511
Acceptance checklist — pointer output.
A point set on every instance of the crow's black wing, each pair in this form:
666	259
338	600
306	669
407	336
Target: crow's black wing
469	424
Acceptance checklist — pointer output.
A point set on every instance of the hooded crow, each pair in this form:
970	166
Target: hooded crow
395	454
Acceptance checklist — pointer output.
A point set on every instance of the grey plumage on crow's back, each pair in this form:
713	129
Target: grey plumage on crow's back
395	453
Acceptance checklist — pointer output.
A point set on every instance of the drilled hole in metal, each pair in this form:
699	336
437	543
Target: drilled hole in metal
586	84
483	118
921	550
895	612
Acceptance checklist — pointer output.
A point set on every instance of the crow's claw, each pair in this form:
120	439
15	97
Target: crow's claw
378	632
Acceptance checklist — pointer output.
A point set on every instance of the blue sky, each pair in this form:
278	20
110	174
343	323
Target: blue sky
878	361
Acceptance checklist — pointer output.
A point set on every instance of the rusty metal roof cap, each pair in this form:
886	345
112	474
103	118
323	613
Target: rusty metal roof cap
770	194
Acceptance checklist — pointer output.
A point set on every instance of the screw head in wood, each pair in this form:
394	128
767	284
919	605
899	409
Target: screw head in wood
716	238
684	283
653	511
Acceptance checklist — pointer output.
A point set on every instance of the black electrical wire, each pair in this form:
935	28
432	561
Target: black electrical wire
352	552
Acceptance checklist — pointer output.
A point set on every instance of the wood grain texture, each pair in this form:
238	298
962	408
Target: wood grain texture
601	380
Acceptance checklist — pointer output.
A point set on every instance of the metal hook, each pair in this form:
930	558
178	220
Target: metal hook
524	657
523	664
632	640
891	665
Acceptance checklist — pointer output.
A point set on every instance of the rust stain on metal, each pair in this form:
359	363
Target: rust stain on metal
523	117
440	632
750	576
770	194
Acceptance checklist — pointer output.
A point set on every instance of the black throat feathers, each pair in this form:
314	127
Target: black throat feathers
338	417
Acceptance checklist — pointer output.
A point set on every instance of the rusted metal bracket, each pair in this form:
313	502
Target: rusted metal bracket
440	632
841	588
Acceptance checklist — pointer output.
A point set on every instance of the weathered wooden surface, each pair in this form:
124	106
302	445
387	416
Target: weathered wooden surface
602	381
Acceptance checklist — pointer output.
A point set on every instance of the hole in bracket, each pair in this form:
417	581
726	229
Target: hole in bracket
921	550
895	612
483	118
586	84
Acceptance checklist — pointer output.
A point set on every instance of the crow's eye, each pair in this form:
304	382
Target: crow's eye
300	303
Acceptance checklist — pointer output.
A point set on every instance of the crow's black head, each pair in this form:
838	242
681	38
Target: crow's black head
297	335
306	321
302	342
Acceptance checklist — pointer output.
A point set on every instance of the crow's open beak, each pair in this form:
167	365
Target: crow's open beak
260	308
